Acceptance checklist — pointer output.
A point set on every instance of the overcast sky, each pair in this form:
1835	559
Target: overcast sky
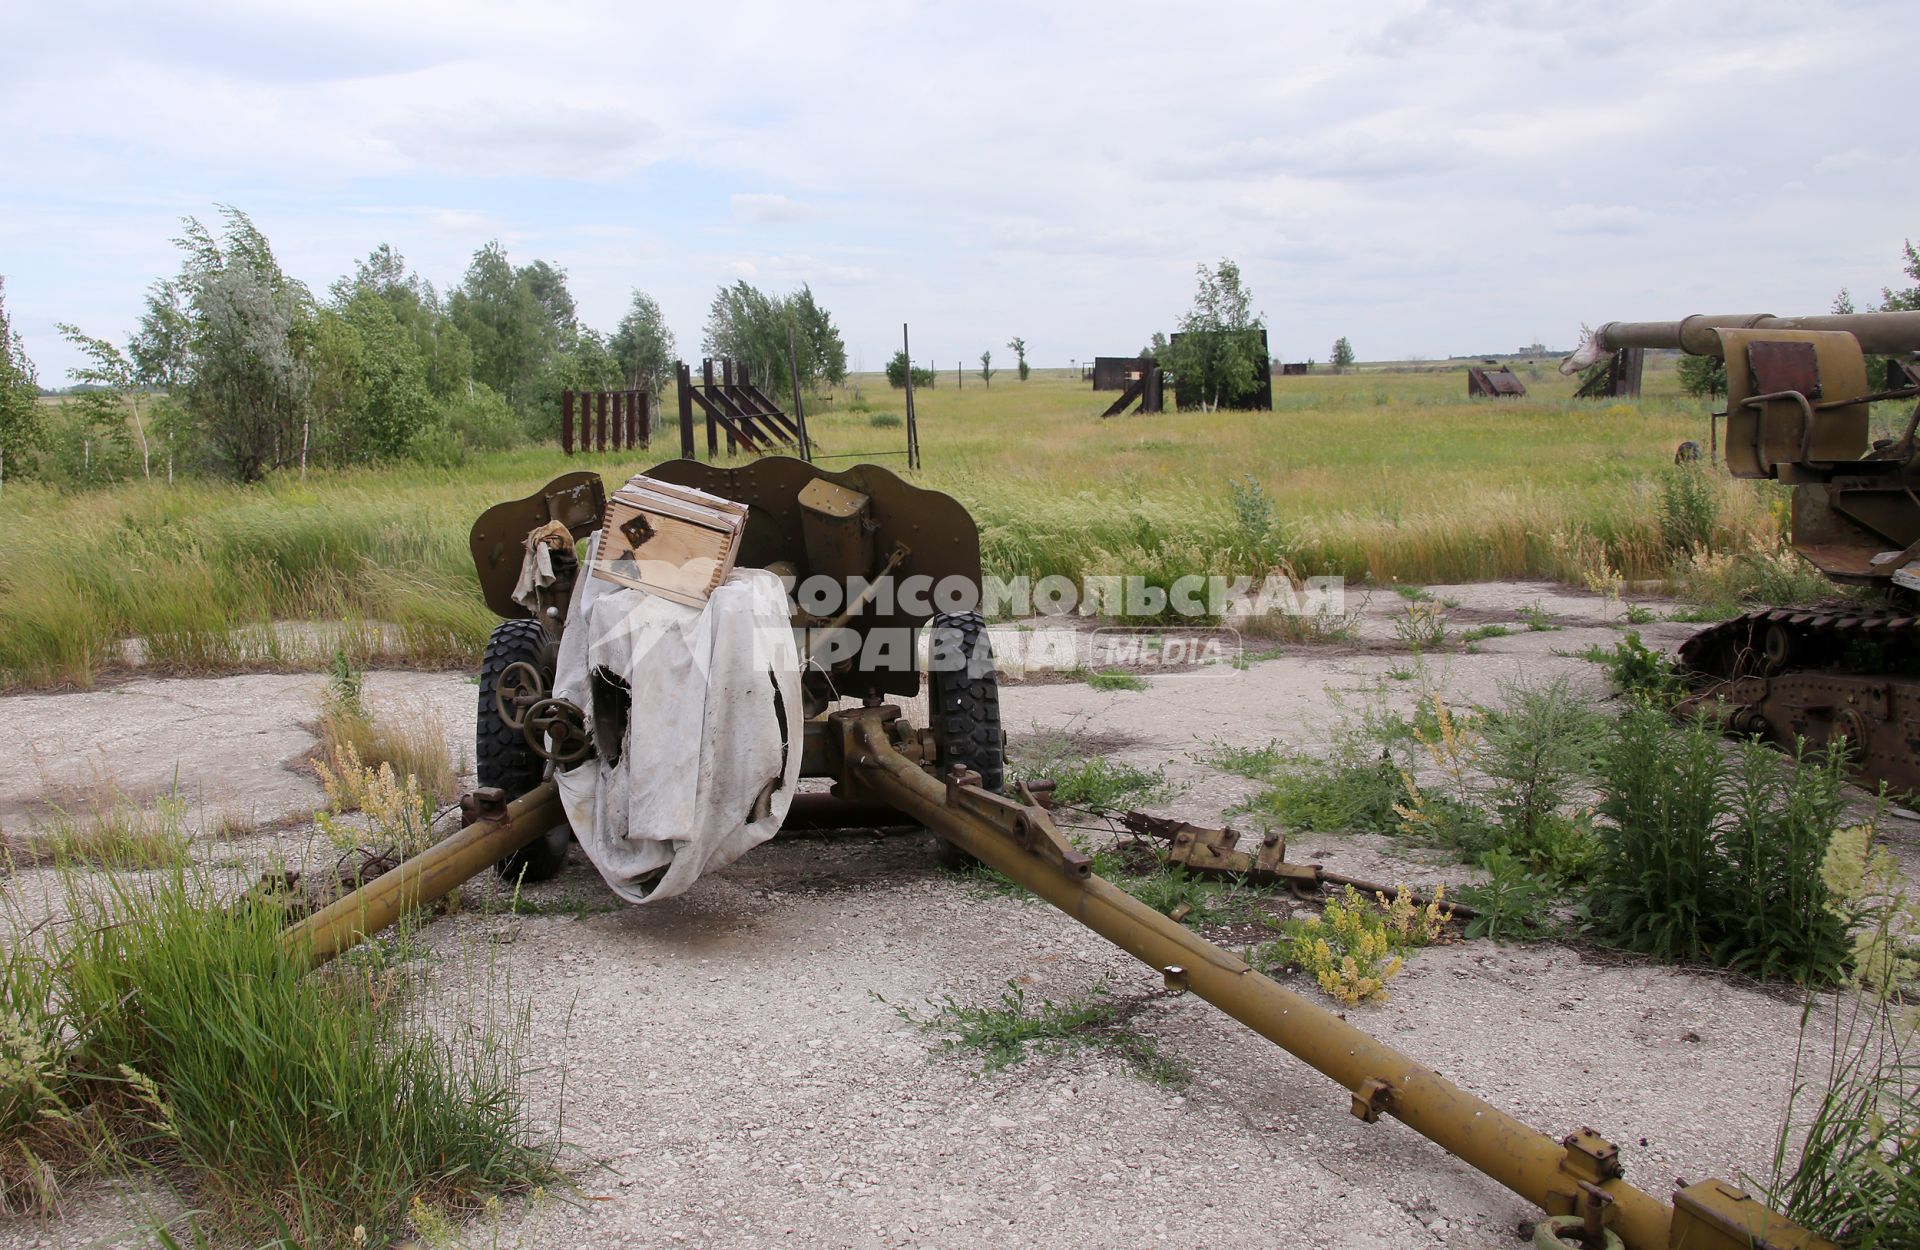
1426	179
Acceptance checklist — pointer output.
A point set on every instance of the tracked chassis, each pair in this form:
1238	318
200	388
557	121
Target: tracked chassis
1813	676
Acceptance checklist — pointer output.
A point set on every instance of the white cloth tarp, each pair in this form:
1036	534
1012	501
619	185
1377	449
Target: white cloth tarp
713	740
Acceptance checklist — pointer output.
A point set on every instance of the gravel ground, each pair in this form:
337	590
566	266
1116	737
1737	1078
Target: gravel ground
732	1070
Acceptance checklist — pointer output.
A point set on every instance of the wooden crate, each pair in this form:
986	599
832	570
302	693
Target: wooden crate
669	540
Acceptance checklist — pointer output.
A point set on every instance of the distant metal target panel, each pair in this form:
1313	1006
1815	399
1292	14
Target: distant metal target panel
732	404
1502	383
606	418
1619	378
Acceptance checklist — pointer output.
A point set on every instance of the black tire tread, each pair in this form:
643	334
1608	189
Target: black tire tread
964	706
501	755
963	709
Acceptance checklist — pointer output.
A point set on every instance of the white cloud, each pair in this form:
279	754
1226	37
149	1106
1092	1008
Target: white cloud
1361	158
767	209
1599	219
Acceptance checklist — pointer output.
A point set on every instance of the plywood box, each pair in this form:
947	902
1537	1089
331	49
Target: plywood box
669	540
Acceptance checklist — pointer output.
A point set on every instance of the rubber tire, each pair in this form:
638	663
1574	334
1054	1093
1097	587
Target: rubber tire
963	707
501	755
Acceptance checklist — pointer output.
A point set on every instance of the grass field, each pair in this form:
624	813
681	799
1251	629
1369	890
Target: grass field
1381	474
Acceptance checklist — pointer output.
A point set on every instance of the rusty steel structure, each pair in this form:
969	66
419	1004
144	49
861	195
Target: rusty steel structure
609	420
1619	379
1501	383
734	406
1146	388
1114	373
949	777
1798	412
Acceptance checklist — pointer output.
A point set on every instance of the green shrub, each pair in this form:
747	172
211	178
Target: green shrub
1512	903
1689	508
1198	901
1536	750
1846	1161
1702	856
480	419
1423	626
885	421
1636	669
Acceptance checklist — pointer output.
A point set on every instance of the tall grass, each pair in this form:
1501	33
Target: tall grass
1846	1161
162	1033
1428	488
359	746
106	827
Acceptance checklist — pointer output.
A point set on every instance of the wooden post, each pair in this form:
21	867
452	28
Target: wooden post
644	401
959	375
600	426
713	433
799	410
683	383
706	377
566	422
913	428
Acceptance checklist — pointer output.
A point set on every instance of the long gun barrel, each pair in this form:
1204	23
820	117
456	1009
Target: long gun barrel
1884	333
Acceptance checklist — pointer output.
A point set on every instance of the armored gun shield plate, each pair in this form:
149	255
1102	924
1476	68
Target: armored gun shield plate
1771	437
498	540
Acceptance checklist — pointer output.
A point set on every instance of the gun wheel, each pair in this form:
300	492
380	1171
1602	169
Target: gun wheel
501	755
963	701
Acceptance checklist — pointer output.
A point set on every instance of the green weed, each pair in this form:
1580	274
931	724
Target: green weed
1634	668
1536	749
108	828
1512	904
1008	1031
1689	508
1097	783
1198	902
1702	856
1423	626
1116	679
1536	618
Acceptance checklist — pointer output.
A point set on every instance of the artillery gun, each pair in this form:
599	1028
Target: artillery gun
1798	399
948	777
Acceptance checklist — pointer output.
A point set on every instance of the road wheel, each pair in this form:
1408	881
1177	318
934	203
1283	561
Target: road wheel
501	755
